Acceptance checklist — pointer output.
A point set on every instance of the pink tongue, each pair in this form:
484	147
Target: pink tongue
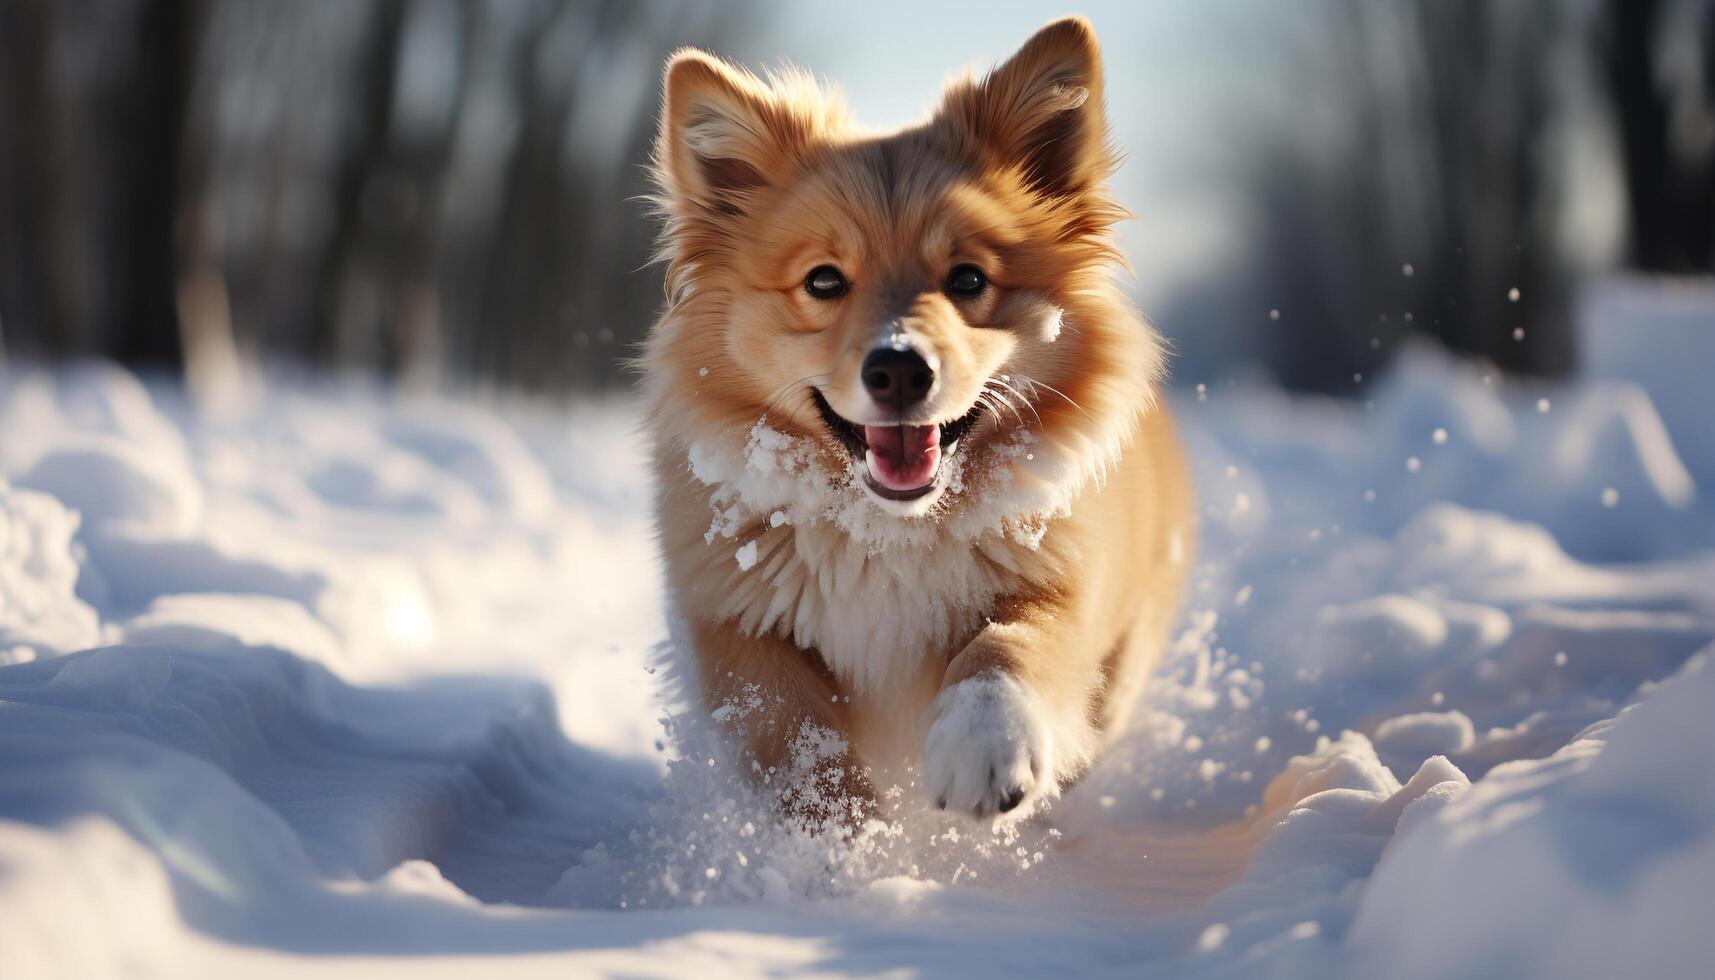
903	457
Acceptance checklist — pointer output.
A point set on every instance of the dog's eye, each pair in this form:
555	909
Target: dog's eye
966	281
825	282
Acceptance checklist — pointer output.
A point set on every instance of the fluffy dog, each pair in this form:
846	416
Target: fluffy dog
915	486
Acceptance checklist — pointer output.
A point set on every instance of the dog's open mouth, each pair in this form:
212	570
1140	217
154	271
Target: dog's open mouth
902	461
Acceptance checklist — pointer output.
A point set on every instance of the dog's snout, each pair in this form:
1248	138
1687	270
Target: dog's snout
897	378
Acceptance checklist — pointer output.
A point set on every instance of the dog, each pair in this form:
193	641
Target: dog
917	495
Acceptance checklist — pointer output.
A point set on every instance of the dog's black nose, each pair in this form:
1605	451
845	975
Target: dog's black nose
897	379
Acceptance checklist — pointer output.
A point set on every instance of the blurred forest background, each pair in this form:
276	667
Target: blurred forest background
440	189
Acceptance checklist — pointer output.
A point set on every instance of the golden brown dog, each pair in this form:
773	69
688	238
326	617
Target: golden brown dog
915	487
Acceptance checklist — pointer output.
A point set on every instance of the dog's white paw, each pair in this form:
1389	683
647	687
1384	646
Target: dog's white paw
989	750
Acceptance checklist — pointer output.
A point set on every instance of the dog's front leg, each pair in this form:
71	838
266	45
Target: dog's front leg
789	715
1012	723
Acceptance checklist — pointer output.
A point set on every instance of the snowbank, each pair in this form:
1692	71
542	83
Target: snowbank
40	612
367	680
1595	861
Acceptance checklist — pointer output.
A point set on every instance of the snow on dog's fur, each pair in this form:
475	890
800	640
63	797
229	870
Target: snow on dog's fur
915	487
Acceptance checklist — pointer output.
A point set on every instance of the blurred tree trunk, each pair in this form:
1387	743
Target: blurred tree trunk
30	308
513	271
1667	131
146	300
92	102
1497	269
347	326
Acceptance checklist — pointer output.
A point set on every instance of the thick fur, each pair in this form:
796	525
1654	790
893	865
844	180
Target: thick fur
994	635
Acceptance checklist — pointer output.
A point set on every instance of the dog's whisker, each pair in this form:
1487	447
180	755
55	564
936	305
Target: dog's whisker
1000	400
1025	401
1034	384
1012	405
1012	398
808	381
789	388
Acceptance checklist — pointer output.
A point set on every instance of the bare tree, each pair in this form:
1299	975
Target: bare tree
89	126
1659	57
394	185
1426	199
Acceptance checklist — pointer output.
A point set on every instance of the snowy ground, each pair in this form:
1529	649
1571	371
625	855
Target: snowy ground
364	681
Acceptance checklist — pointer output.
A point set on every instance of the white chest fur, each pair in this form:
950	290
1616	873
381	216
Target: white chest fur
873	615
814	559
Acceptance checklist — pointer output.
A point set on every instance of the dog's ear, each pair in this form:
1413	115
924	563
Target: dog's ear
723	133
1040	112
